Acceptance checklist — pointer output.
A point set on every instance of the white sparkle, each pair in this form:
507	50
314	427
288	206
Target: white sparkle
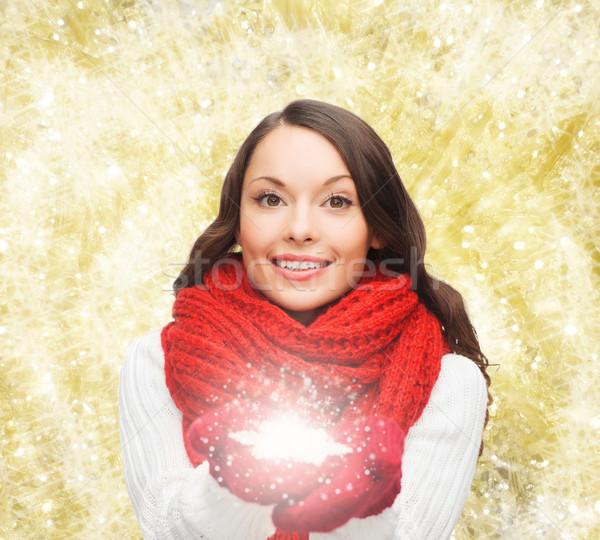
272	441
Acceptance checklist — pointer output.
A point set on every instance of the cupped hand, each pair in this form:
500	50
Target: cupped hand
308	497
364	483
234	466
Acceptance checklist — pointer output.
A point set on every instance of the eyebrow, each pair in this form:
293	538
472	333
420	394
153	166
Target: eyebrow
278	182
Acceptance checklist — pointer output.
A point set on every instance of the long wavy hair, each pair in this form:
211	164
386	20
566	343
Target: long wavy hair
385	203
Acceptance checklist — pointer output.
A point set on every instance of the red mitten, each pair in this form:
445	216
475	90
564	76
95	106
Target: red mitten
234	466
363	484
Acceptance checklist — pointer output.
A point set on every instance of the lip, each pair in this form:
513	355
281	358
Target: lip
299	275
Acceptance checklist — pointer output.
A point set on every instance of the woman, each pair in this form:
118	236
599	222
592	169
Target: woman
328	311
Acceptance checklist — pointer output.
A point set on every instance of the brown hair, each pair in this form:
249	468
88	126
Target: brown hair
385	203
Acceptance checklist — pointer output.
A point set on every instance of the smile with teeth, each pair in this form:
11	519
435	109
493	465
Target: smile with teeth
300	265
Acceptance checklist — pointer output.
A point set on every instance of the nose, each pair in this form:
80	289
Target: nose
301	227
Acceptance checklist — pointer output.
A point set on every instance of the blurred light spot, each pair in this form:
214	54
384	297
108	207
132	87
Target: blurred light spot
48	97
570	330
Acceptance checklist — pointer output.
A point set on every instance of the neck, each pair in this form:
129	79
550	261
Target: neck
303	317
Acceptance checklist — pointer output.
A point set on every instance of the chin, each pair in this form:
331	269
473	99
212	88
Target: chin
301	310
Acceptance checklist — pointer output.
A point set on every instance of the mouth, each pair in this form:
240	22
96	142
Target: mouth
298	266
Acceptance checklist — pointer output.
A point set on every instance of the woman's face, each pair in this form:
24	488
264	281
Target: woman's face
303	236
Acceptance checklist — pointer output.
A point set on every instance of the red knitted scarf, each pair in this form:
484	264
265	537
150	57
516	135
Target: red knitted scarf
376	350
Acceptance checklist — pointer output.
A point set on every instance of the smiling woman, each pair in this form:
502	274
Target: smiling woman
328	316
303	236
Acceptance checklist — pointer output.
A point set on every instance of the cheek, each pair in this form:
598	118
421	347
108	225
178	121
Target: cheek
357	240
243	231
250	235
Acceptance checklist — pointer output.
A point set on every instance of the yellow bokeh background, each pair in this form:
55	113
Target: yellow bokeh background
118	121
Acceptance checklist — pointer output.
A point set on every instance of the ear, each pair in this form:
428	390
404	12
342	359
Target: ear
377	242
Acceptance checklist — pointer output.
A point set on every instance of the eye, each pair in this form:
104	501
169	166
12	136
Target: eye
337	201
271	200
268	199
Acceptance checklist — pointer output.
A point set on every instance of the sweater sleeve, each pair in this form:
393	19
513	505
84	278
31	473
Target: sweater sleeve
170	498
440	455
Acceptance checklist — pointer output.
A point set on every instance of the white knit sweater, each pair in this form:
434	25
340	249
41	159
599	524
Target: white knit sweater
173	500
